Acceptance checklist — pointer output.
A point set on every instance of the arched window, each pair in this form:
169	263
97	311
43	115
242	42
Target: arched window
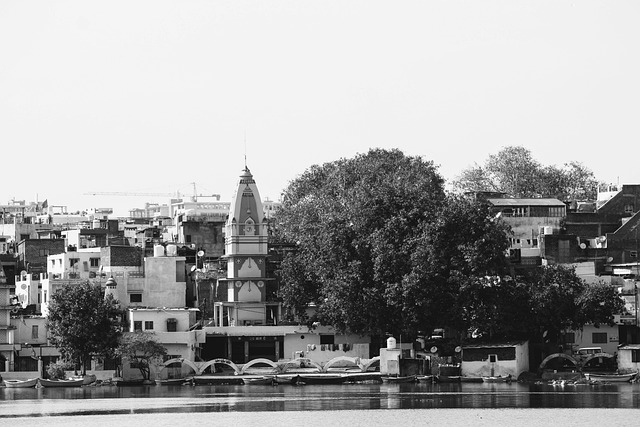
249	226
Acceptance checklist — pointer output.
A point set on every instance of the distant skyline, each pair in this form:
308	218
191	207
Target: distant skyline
151	96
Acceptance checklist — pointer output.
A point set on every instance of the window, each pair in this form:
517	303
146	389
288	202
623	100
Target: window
327	339
628	208
599	338
172	325
43	252
635	356
34	331
95	262
73	261
187	238
137	325
135	297
569	338
148	325
493	358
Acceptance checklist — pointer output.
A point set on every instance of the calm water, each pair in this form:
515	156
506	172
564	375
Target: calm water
356	404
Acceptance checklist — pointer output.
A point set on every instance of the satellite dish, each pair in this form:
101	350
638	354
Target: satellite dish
583	246
200	253
458	349
610	259
193	268
434	349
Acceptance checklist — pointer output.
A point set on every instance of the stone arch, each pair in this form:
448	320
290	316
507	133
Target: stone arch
256	361
596	356
178	360
354	360
558	355
366	366
302	361
227	362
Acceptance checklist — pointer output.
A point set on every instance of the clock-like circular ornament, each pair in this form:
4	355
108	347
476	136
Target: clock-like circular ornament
238	284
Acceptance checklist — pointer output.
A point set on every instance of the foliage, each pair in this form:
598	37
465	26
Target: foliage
541	305
515	172
82	323
57	370
380	247
141	350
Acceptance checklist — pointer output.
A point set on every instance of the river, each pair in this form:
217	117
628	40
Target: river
327	405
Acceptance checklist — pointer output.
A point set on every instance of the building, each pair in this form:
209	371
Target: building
247	323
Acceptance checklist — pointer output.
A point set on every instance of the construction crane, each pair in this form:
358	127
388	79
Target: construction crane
177	194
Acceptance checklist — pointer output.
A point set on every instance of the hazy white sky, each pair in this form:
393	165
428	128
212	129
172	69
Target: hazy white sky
152	95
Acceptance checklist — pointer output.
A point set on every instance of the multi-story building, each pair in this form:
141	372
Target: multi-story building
247	321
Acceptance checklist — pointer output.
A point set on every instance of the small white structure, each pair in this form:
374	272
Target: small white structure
501	359
629	358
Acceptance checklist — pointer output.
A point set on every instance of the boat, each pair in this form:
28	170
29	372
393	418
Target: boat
285	379
426	379
61	383
496	379
321	379
30	383
402	379
611	378
173	381
86	380
266	380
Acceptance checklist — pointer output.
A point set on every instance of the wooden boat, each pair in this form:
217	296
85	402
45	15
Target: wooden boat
402	379
61	383
266	380
496	379
30	383
321	379
86	380
285	379
426	379
173	381
611	378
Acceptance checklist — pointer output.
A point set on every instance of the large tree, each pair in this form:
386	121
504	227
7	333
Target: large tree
83	324
515	172
141	350
380	247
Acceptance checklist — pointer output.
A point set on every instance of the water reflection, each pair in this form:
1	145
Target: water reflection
158	399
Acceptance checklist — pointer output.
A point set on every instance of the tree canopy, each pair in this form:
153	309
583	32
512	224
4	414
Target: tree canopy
82	323
380	246
141	350
515	172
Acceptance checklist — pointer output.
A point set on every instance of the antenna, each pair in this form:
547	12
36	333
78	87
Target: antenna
245	148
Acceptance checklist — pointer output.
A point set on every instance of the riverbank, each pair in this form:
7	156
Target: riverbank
424	417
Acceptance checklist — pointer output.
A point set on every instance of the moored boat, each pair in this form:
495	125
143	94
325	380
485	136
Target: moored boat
612	378
61	383
30	383
265	380
86	380
321	378
496	379
173	381
399	379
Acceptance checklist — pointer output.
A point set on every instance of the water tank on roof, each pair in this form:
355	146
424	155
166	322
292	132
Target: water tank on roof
158	250
172	250
391	343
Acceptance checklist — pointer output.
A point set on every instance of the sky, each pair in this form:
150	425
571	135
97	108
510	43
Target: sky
152	96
